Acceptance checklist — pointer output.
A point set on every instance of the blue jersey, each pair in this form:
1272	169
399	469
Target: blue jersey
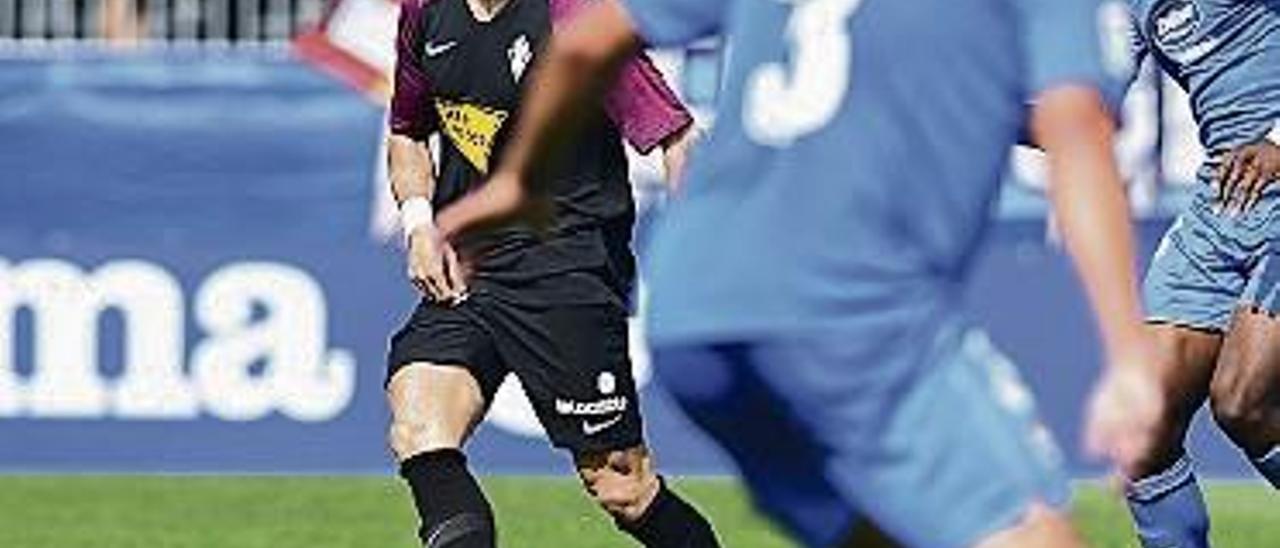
1226	55
857	151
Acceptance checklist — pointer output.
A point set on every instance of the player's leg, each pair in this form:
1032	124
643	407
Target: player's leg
574	364
1245	393
626	485
434	408
1246	389
1190	290
436	401
1163	494
718	387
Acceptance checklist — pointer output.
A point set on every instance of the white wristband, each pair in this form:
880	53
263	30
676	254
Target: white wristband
1274	134
415	213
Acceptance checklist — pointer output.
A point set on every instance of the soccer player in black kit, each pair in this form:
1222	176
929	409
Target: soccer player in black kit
548	305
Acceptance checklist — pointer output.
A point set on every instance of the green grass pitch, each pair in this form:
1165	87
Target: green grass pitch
365	512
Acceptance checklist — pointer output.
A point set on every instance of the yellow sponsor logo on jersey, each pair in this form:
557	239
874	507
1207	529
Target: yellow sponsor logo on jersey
471	128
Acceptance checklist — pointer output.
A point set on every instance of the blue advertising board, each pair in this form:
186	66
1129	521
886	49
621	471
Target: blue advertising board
189	282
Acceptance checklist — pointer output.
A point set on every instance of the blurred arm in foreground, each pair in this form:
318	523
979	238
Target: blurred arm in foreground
1074	128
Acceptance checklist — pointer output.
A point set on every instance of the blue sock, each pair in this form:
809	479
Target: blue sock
1269	466
1169	509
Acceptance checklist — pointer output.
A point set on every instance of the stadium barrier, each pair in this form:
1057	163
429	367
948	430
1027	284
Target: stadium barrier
157	21
191	279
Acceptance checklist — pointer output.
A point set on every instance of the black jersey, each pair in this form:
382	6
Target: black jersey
462	78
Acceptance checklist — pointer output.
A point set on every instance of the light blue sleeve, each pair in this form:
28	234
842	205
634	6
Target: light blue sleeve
676	22
1080	42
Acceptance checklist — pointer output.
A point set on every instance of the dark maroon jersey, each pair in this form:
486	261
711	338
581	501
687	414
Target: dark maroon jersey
462	79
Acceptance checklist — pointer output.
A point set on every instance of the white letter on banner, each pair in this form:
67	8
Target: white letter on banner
152	385
11	395
288	341
65	380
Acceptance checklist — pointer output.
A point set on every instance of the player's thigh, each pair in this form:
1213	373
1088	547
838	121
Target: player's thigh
718	387
1246	383
433	406
442	370
1185	361
1250	361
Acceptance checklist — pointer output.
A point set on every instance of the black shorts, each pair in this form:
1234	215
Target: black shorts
573	362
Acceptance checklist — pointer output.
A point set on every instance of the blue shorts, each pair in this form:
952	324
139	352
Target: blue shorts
943	453
1208	264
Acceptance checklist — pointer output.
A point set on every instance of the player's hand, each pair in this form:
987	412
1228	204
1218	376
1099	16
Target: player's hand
1124	412
500	201
434	267
1244	173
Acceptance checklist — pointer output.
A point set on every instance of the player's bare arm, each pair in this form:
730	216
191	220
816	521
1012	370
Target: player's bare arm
433	266
577	66
675	155
1245	172
1073	126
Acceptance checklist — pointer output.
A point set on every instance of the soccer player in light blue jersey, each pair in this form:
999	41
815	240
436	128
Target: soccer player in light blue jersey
1213	288
805	284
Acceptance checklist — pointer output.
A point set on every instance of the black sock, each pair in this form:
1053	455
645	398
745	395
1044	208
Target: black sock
670	522
451	508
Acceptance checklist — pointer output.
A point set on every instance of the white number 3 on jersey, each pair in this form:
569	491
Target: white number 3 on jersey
785	103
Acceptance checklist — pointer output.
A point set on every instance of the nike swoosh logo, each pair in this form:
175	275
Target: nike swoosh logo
593	429
433	49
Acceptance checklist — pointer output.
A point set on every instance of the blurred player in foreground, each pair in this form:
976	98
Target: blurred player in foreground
1213	289
550	310
805	286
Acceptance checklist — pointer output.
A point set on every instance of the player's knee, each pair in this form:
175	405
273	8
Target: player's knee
1166	450
432	407
411	437
1238	410
621	482
621	498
